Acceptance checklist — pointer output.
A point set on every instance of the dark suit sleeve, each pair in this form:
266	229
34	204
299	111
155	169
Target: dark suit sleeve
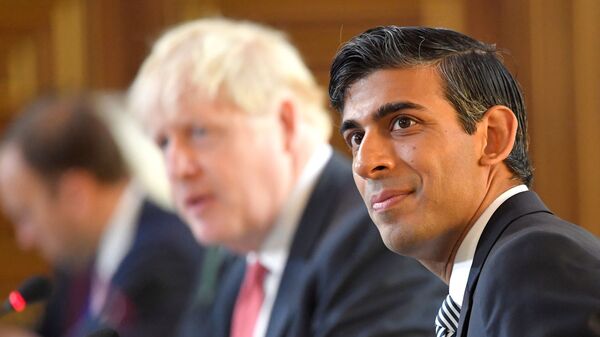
159	291
360	288
540	283
209	313
66	303
154	283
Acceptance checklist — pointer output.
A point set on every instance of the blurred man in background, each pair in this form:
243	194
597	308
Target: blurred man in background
122	261
438	131
244	132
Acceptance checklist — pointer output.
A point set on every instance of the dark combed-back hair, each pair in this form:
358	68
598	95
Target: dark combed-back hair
472	73
56	134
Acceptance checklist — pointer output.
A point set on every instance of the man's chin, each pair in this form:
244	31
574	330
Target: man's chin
72	262
210	234
397	240
201	233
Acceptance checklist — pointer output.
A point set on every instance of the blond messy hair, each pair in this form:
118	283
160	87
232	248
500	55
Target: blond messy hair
250	64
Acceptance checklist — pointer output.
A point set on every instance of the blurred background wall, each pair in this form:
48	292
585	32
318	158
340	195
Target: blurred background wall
553	48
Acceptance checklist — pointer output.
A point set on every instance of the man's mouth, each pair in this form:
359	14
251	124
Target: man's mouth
197	203
387	199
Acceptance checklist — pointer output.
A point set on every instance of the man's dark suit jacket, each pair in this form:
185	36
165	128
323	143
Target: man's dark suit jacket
149	290
533	275
339	279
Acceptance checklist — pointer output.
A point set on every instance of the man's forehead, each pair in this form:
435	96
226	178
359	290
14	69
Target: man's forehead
393	83
11	155
14	167
195	110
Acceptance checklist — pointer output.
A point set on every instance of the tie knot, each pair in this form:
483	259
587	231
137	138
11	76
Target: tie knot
446	322
256	272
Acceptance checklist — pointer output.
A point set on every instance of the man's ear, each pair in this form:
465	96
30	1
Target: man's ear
500	130
288	118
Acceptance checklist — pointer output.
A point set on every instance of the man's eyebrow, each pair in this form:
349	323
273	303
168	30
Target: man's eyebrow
392	107
381	112
347	125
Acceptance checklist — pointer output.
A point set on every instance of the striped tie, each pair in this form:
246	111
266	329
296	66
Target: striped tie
446	321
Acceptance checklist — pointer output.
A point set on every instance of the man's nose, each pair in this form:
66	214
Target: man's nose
374	157
26	236
181	160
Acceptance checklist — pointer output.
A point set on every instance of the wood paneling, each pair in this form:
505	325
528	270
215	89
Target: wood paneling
316	11
22	64
106	45
23	16
69	37
551	106
586	87
444	13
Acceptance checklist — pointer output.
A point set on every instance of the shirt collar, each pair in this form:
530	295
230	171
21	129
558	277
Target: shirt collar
118	236
466	250
275	249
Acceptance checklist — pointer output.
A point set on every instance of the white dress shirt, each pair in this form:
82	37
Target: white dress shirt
115	243
466	250
274	251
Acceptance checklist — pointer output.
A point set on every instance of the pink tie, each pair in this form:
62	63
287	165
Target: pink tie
249	301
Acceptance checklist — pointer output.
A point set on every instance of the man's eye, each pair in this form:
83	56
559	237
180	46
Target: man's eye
403	122
198	132
354	139
161	141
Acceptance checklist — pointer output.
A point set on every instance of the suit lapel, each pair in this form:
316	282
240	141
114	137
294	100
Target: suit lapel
224	305
311	229
515	207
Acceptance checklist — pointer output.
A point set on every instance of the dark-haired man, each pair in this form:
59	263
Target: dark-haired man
124	262
437	129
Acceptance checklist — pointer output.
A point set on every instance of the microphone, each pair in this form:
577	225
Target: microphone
104	333
34	289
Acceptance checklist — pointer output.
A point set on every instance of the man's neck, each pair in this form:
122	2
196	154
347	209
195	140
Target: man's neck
300	158
107	200
443	268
